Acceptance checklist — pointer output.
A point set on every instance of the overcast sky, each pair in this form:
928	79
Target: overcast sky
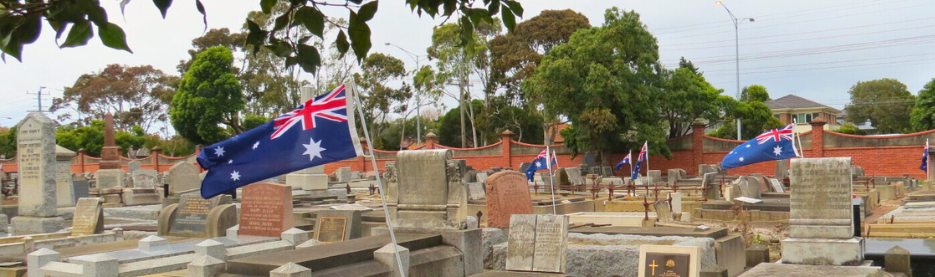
814	49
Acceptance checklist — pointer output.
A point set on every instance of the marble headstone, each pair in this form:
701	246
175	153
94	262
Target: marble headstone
183	176
35	137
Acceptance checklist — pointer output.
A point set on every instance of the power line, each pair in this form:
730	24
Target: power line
806	39
820	63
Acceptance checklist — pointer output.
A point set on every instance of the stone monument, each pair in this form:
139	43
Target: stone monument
537	243
266	210
89	217
507	194
110	174
183	177
821	230
425	191
65	191
35	137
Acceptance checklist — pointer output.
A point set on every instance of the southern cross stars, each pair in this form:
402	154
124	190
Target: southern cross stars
235	176
219	151
313	149
777	150
256	144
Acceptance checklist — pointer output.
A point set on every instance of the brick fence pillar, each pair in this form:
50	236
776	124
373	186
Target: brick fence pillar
430	140
81	154
818	138
507	138
155	155
697	147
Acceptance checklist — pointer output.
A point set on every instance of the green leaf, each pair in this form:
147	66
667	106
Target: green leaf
494	7
163	6
308	58
58	26
360	36
201	9
267	6
256	36
450	6
341	43
509	20
313	20
79	34
281	21
515	7
28	31
9	45
97	15
367	11
112	36
279	48
356	1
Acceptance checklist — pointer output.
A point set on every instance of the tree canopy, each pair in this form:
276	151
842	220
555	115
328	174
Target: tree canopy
21	24
208	95
605	80
886	103
923	113
136	95
688	97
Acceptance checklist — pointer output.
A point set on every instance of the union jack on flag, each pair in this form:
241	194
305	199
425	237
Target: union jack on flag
775	135
540	163
331	106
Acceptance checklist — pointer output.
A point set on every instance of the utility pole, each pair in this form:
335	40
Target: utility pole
39	97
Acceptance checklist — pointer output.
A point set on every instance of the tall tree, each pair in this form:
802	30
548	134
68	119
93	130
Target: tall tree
923	113
209	95
606	81
755	116
91	137
886	103
756	93
21	24
378	98
688	97
8	142
516	55
137	95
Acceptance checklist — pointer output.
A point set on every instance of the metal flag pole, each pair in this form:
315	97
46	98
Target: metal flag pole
647	158
548	164
797	138
373	161
630	163
927	165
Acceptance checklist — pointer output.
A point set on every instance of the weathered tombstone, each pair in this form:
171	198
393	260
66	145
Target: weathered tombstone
88	218
35	138
133	166
607	171
561	178
776	185
197	217
537	243
896	260
668	260
656	175
507	194
481	176
266	210
596	170
429	193
663	211
64	190
476	191
821	215
546	180
676	202
110	178
183	176
523	166
713	190
782	169
144	178
574	175
343	174
750	187
337	225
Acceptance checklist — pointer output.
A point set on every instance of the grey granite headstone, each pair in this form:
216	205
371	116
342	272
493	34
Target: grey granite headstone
134	166
183	176
35	137
574	175
81	188
343	174
476	191
481	176
109	178
144	178
750	187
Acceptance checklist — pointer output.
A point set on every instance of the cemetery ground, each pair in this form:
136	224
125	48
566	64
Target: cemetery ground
812	217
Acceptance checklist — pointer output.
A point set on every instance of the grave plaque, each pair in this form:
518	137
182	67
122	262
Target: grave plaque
507	194
331	229
193	215
266	210
669	261
521	242
551	243
88	218
820	201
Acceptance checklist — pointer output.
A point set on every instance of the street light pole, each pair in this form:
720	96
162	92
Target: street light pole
736	22
418	93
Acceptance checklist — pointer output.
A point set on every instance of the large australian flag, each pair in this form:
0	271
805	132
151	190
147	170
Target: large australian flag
318	132
775	144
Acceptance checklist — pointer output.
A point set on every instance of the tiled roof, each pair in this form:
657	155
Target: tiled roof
794	102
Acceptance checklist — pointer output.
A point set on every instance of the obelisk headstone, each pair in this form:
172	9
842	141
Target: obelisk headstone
313	178
35	137
821	214
110	174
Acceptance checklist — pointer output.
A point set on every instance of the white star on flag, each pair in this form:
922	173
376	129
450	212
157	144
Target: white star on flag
777	150
219	151
741	159
313	149
235	176
256	144
748	146
538	164
230	161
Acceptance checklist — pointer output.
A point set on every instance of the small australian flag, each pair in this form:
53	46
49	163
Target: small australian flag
539	164
318	132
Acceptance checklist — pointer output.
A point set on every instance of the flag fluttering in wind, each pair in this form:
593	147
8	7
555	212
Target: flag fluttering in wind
318	132
775	144
643	156
626	160
540	163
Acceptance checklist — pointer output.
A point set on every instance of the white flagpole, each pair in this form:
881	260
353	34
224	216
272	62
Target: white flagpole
927	165
647	158
548	164
373	160
797	138
630	162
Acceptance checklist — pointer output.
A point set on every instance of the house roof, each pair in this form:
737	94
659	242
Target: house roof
795	102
